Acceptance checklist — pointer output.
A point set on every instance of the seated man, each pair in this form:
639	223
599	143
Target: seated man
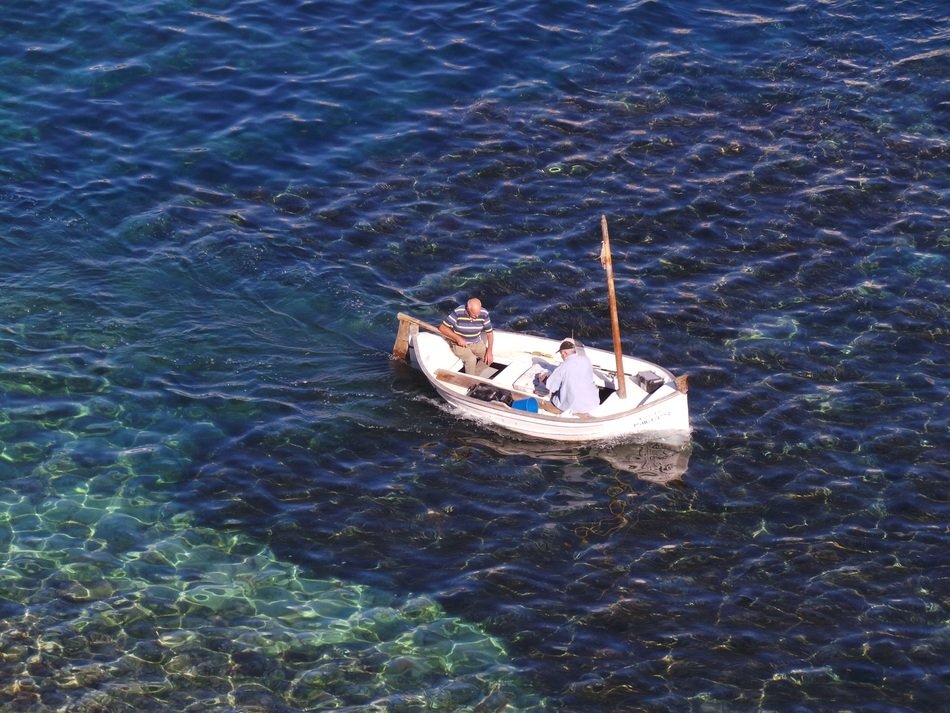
469	329
572	382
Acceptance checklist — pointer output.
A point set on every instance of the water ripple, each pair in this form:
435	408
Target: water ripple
213	479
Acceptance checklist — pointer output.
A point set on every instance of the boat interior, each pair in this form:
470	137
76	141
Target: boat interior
519	371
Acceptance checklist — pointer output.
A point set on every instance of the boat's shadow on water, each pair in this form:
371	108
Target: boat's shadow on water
663	462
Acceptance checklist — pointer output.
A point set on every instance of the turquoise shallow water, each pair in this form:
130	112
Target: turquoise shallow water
217	492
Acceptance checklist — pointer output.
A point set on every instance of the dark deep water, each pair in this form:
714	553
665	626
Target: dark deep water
218	493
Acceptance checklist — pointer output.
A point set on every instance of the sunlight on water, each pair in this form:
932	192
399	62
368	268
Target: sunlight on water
111	598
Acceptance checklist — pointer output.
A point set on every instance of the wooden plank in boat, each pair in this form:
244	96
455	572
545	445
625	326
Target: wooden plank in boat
467	380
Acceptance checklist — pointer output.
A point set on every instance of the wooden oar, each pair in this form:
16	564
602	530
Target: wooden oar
406	322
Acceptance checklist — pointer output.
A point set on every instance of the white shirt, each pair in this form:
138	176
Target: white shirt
572	385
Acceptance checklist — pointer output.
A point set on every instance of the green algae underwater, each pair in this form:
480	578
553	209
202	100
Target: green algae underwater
113	599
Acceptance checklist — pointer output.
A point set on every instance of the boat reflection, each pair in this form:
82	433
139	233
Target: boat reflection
661	462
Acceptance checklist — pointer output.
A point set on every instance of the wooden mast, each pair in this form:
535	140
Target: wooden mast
607	264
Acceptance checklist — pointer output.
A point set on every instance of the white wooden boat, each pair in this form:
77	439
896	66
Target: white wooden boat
637	397
519	358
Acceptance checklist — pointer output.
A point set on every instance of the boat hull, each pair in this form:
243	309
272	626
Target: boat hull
663	412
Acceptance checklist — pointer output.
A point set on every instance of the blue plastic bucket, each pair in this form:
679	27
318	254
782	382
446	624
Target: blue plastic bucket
530	405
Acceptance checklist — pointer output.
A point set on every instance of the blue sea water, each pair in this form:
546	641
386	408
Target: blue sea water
219	493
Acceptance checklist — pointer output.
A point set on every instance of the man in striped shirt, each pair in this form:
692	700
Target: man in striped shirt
469	330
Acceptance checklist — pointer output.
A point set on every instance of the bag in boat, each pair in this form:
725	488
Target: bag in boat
649	381
487	392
